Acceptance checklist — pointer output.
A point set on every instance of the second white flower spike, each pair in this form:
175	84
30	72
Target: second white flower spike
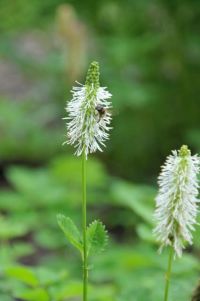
176	202
88	114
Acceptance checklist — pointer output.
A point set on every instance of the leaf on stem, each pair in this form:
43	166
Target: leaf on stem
71	231
96	237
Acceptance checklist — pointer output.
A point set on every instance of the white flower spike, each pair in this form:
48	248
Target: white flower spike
88	114
176	202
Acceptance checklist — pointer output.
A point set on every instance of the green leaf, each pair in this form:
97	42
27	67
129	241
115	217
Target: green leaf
24	274
144	231
47	277
72	290
139	198
70	230
33	295
67	171
96	237
10	228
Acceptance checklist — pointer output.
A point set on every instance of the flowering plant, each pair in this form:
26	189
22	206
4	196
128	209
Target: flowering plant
88	114
88	123
176	203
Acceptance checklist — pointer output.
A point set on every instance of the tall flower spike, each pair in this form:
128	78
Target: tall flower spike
176	202
88	114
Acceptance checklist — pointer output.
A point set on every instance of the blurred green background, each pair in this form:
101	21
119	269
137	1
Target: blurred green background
149	54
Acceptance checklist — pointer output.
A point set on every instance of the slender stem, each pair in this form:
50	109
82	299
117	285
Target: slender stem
168	274
84	220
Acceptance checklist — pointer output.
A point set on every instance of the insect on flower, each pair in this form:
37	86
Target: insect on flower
88	114
102	110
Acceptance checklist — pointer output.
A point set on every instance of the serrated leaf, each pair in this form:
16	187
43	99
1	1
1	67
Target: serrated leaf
96	237
70	230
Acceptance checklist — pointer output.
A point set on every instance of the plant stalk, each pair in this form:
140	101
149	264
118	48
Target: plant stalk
84	221
168	274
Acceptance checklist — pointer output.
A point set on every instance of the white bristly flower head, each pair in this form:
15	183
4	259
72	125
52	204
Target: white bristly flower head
176	202
88	114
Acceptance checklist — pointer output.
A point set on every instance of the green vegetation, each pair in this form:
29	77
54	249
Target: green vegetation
30	236
149	52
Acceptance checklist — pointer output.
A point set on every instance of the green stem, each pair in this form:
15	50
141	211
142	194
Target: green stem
84	220
168	274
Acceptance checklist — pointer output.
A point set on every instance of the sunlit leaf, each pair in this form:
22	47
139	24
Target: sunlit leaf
39	294
23	274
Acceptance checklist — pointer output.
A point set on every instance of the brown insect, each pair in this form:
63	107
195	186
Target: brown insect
101	111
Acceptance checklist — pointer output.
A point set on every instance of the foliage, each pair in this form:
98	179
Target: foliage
150	77
96	237
149	56
38	239
24	138
70	231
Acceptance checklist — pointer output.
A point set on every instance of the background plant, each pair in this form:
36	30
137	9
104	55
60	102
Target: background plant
150	61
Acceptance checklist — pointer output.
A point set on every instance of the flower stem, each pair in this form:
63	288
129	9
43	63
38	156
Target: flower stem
168	274
84	221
